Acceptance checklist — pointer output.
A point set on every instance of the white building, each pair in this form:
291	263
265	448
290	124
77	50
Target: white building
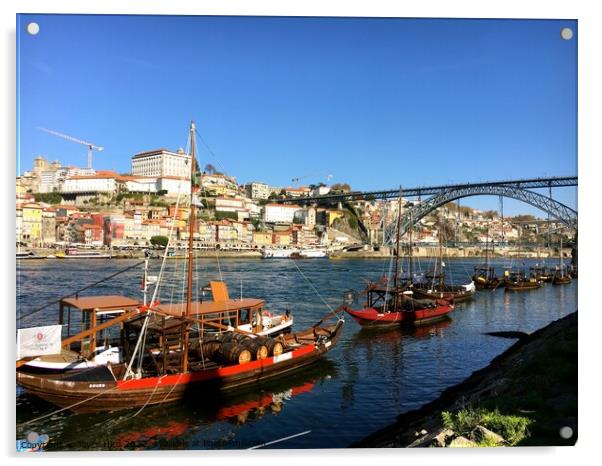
320	191
173	185
229	204
306	216
140	184
102	181
279	213
161	162
256	190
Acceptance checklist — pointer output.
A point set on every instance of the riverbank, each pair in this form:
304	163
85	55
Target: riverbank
528	394
419	252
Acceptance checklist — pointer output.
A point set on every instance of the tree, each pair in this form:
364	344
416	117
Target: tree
159	240
210	169
344	187
50	198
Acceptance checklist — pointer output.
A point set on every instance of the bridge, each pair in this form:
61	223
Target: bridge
520	189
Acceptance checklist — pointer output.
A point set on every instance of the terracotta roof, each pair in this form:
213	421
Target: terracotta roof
171	177
290	206
99	174
101	302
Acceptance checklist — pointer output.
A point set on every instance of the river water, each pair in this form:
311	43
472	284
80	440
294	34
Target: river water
359	387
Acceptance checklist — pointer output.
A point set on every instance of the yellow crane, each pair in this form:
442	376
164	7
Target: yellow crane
90	146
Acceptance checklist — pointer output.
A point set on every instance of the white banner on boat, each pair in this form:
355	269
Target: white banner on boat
38	341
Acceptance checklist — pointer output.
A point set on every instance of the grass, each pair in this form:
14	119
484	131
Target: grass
513	428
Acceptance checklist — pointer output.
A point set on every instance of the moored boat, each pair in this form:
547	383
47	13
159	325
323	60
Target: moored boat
73	253
516	280
279	253
561	275
395	305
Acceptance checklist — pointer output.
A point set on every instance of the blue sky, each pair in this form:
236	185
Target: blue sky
374	102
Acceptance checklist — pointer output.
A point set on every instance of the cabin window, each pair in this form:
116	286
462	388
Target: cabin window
244	316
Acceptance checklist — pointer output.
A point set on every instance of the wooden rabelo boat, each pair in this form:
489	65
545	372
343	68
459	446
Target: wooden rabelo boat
165	353
484	276
561	275
434	286
516	280
541	273
395	305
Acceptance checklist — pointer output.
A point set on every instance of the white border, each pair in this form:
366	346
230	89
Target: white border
589	100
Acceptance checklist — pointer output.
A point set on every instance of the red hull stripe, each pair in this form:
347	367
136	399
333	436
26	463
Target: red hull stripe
179	379
370	314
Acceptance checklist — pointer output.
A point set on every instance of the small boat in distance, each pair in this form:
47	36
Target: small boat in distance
561	275
74	253
484	276
433	285
516	280
313	253
293	253
28	255
541	273
279	253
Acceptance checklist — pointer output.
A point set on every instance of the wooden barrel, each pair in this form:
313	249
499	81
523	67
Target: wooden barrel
257	349
233	353
274	347
234	337
208	349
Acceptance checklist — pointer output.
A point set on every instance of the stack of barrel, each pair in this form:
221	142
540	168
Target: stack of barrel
237	348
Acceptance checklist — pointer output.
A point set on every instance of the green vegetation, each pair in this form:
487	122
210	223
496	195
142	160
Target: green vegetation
159	240
226	215
343	187
513	428
49	198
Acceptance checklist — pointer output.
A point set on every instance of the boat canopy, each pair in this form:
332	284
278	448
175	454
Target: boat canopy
101	303
210	307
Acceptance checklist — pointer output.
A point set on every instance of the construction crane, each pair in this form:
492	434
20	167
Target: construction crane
90	146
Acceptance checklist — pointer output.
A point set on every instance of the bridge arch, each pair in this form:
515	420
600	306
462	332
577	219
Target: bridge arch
561	212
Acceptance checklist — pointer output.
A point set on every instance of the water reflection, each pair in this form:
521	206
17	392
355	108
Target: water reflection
174	425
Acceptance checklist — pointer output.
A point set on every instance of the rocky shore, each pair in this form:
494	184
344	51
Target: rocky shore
525	396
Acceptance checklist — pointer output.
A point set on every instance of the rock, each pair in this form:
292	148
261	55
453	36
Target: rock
462	442
481	434
438	438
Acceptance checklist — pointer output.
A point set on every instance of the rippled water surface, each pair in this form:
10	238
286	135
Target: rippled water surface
359	387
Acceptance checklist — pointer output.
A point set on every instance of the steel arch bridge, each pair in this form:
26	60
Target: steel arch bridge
563	213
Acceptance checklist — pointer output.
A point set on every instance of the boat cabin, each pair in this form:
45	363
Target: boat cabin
384	299
80	314
485	271
221	313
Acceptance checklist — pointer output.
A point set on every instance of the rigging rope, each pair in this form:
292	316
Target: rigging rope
311	284
80	290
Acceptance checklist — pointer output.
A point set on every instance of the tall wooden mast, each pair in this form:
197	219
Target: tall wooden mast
398	244
190	249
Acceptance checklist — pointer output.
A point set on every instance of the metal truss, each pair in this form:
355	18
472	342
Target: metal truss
564	214
530	183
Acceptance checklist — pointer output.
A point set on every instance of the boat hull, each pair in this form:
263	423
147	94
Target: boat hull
102	394
370	317
522	286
